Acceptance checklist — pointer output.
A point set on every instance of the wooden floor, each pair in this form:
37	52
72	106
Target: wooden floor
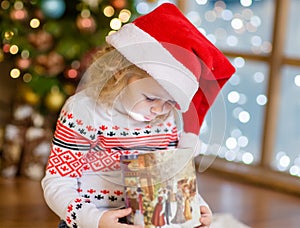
22	204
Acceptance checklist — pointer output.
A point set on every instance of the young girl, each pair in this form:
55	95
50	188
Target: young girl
128	102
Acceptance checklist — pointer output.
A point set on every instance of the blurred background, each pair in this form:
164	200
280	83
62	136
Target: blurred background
252	133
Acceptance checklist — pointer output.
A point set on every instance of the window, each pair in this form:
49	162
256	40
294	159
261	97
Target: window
293	30
244	98
253	129
286	156
233	26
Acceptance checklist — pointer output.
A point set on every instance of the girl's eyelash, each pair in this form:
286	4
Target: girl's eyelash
149	98
173	103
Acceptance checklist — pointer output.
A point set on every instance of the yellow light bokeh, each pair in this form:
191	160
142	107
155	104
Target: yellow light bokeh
14	49
85	13
8	35
111	32
25	54
35	23
108	11
124	15
115	24
5	4
27	77
15	73
18	5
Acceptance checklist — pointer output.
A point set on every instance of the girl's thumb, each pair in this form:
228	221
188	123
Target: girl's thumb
123	212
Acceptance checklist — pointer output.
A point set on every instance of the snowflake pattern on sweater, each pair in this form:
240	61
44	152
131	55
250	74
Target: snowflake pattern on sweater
87	197
78	147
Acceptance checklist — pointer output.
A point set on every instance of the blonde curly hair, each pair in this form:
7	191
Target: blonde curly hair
108	75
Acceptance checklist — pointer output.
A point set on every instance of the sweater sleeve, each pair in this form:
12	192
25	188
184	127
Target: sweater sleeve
190	140
65	166
62	197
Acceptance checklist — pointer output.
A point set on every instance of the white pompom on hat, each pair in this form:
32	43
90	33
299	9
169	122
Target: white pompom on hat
171	49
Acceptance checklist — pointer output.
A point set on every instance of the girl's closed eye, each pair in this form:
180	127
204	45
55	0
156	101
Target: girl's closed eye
149	98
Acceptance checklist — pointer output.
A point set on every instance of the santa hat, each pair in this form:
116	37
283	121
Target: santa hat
171	49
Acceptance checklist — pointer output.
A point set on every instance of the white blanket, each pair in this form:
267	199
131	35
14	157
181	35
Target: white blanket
226	221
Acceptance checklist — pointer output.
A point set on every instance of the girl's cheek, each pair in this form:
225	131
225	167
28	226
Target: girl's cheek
167	107
140	107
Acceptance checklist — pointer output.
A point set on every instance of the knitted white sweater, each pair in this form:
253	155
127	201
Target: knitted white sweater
82	177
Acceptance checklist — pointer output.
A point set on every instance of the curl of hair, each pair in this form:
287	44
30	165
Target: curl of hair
108	75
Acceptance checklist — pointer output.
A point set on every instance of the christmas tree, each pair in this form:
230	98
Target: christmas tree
50	43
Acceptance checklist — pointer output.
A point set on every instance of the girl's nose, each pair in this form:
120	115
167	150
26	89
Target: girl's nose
157	107
160	107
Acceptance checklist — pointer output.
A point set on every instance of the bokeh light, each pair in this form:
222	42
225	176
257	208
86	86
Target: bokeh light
35	23
115	24
15	73
109	11
124	15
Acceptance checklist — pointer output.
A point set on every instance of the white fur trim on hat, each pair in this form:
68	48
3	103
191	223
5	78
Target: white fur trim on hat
147	53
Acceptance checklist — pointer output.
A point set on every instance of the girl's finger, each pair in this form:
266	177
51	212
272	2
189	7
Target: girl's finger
204	221
205	210
122	212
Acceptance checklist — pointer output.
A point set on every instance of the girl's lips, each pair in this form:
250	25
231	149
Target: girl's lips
147	118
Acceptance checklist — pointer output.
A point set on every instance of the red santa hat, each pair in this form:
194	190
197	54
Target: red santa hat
171	49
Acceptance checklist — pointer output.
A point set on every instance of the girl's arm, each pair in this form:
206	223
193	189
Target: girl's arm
64	170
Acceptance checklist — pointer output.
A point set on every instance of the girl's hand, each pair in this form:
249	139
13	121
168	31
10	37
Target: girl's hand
111	219
206	217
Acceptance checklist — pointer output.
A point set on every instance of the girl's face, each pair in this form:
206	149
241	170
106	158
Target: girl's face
144	99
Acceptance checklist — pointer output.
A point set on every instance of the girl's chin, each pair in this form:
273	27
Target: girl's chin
139	117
